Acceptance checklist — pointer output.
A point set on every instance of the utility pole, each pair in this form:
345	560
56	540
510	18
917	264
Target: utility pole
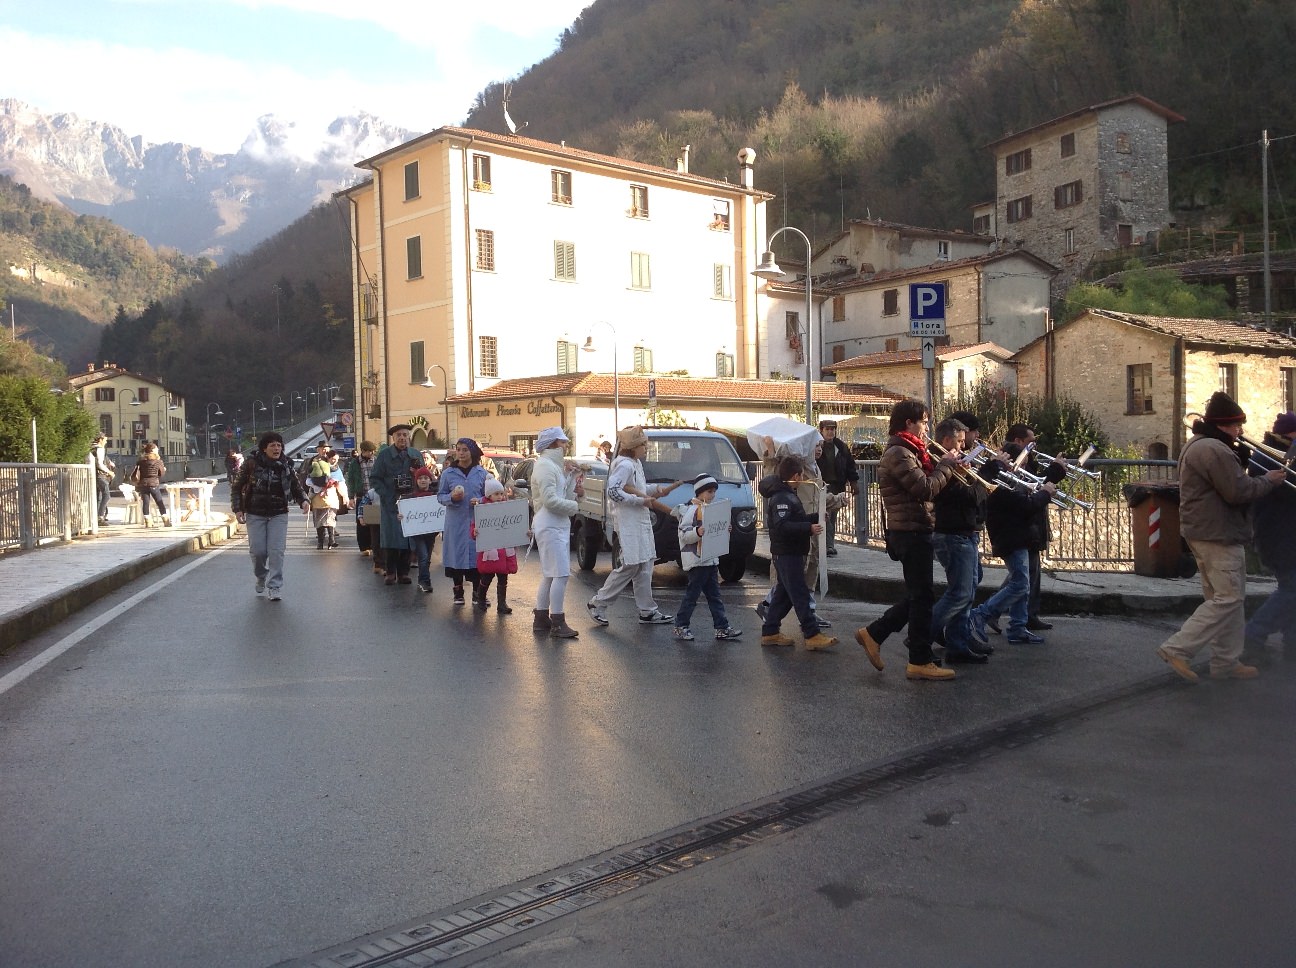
1264	197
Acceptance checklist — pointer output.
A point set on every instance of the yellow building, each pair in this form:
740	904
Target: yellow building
480	257
130	409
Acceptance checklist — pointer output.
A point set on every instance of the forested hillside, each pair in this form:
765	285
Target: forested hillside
884	107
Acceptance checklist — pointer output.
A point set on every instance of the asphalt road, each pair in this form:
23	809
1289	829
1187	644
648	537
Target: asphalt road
213	779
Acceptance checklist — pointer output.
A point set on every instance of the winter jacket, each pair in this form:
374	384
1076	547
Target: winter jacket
1215	494
960	507
1275	520
151	472
552	489
1011	519
266	487
907	491
837	466
691	516
788	523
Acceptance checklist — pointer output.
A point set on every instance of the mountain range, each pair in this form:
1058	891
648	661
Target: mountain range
181	196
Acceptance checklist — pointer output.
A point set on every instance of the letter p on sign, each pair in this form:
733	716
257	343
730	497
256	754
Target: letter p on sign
926	301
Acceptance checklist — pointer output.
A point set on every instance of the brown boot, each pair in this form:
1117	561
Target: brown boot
558	627
540	621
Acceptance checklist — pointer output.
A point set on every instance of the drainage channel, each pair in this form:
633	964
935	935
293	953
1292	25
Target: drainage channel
467	930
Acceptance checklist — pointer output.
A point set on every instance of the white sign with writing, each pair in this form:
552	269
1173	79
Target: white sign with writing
716	518
420	515
501	524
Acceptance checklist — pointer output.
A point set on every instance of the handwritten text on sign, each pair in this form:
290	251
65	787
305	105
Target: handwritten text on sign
501	524
421	515
715	529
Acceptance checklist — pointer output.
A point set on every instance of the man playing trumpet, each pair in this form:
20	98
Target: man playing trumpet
1215	495
1275	516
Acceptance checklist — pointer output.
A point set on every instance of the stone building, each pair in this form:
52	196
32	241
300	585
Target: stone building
958	370
1142	375
1088	181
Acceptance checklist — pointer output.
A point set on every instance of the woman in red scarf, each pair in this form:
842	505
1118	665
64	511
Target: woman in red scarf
908	479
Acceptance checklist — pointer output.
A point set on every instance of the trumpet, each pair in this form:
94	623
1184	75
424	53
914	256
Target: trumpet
963	468
1076	471
1019	479
1277	460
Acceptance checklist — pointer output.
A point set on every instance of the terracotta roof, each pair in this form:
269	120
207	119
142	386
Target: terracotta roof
902	357
676	389
1148	103
564	151
84	379
937	268
1195	332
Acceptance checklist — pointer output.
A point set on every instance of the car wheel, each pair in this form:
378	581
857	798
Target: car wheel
591	545
733	567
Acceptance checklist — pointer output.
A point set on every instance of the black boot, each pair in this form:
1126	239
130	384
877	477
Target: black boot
501	597
319	538
458	593
332	538
480	590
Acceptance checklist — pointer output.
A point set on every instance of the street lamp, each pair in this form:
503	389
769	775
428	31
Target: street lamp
276	402
769	270
163	430
335	393
122	423
257	406
589	347
309	391
295	397
219	413
427	382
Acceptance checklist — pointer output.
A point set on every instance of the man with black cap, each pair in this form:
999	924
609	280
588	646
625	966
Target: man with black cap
1215	495
839	473
392	477
265	488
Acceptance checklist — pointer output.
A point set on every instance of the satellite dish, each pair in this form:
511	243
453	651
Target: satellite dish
513	127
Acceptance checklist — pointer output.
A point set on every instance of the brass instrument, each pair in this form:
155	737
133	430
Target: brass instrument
1075	471
1020	479
962	468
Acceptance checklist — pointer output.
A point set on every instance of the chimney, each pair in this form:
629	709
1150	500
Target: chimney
746	173
681	163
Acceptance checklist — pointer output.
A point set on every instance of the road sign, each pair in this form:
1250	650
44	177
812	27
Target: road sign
327	427
652	393
929	353
346	418
927	309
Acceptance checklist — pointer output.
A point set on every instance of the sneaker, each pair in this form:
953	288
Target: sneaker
930	672
596	613
274	595
260	586
871	646
655	617
1038	625
1025	638
823	623
977	625
684	633
390	579
728	632
778	638
961	656
992	624
425	587
404	579
1238	671
1180	666
761	608
832	552
819	641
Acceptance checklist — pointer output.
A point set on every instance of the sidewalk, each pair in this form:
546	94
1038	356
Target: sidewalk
67	577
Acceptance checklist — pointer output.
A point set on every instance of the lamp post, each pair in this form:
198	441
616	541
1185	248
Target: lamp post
276	402
769	269
589	347
427	382
219	413
122	423
257	405
335	393
309	391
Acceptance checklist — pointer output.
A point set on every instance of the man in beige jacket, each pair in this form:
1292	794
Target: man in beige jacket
1215	495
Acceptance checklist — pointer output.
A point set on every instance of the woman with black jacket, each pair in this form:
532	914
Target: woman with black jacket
265	489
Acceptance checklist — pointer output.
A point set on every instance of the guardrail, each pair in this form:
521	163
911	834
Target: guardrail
40	503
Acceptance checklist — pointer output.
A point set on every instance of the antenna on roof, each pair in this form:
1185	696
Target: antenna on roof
513	127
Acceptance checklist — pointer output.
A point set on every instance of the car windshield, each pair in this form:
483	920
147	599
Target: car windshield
684	458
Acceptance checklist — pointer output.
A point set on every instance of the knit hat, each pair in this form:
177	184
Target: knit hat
1285	424
550	437
492	488
631	437
423	472
703	482
1222	410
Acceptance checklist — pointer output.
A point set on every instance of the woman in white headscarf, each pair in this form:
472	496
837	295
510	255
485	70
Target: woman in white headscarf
555	486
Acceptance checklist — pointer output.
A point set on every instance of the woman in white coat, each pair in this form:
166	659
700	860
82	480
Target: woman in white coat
554	490
631	501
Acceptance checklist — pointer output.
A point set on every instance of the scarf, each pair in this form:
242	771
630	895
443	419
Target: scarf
1203	429
919	447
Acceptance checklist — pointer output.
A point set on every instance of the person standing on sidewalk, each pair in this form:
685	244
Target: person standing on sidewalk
1215	495
554	493
104	469
1274	526
631	502
392	477
265	489
839	473
909	480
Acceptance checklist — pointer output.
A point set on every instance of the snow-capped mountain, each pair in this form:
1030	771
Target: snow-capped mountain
181	196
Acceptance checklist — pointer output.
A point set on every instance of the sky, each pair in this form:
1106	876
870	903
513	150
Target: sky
202	71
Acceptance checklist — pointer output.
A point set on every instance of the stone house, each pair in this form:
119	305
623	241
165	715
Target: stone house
958	369
479	257
1088	181
1142	374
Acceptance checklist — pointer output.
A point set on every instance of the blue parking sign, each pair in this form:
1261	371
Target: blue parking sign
927	300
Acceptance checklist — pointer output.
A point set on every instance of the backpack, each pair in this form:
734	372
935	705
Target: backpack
135	474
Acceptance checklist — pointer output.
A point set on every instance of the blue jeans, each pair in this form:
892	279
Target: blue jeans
702	580
1277	614
1013	595
423	545
790	593
959	556
267	538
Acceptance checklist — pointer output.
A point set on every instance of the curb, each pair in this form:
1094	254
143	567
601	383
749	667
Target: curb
45	613
885	589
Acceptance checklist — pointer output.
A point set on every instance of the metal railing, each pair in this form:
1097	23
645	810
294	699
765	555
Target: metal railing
40	503
1101	539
